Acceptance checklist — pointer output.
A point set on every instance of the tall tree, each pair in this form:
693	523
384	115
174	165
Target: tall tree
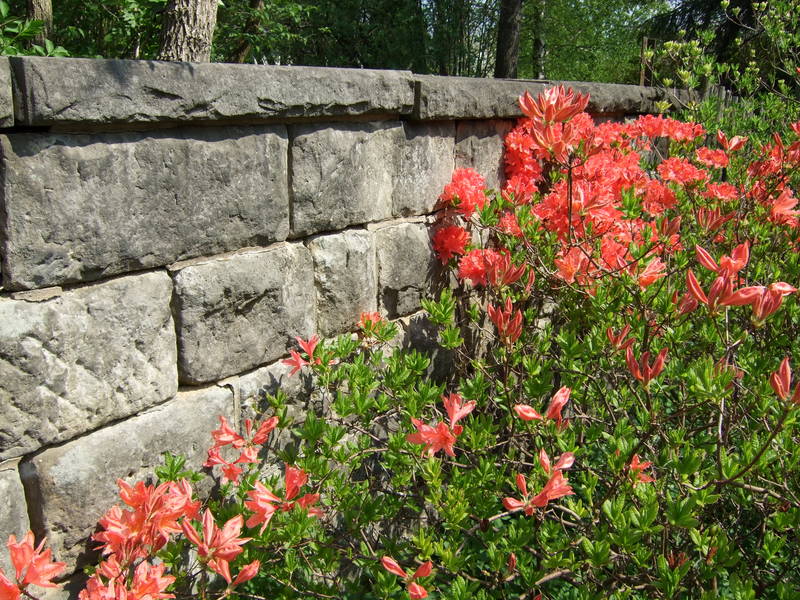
584	40
377	34
188	30
537	38
245	46
463	36
505	64
41	10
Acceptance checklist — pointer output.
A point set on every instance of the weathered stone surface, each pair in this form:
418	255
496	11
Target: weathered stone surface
6	98
239	311
425	166
342	174
468	98
82	359
251	389
64	91
346	279
14	514
81	207
418	333
479	145
71	486
406	266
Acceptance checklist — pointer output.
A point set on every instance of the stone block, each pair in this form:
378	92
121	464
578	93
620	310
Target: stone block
239	311
441	98
345	278
406	266
82	207
6	97
479	145
71	486
83	358
425	166
342	174
67	91
14	516
418	333
251	389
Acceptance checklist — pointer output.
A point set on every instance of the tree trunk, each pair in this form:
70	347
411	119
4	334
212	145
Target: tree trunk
41	10
538	50
188	30
242	52
505	64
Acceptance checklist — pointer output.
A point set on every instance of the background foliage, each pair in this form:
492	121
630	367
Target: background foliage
583	39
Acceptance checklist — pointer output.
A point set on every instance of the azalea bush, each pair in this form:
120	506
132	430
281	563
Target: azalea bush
619	418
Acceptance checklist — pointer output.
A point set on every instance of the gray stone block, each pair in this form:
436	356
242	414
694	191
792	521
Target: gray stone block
81	207
406	267
425	166
468	98
251	389
6	97
82	359
239	311
346	279
14	515
71	486
479	145
67	91
418	333
342	174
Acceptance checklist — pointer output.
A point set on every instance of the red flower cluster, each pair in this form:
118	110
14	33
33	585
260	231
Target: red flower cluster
372	324
466	192
712	158
508	322
131	537
557	404
643	370
781	382
441	436
217	547
556	486
474	265
415	590
264	503
681	171
296	361
248	447
603	164
450	241
32	566
764	300
637	469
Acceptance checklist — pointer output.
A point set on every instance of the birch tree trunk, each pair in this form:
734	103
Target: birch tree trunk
188	30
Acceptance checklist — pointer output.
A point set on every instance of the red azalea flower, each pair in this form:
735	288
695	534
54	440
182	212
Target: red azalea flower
637	469
450	241
474	265
681	171
465	191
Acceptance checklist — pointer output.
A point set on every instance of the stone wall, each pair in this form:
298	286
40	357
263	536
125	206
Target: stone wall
168	228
